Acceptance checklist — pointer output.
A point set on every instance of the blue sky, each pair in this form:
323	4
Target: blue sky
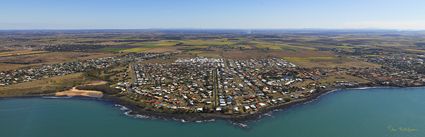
204	14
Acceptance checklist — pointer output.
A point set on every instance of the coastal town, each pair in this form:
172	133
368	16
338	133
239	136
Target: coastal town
208	77
212	68
215	85
222	86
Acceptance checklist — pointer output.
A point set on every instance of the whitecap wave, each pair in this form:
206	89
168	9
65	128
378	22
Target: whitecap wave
54	97
363	88
242	125
128	111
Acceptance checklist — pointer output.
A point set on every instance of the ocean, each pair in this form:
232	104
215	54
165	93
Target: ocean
374	112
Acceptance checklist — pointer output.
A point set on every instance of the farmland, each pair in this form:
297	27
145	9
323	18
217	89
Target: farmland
224	74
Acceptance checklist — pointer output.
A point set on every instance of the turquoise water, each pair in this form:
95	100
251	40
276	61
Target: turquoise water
381	112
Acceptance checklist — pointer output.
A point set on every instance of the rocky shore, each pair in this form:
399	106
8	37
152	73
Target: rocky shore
241	118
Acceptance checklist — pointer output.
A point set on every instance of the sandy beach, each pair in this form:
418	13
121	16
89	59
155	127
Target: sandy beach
76	92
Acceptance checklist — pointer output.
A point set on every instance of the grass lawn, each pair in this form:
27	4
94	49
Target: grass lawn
342	77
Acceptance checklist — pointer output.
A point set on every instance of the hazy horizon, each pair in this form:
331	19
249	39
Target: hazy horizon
218	14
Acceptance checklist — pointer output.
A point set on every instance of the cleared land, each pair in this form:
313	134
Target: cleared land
31	60
43	86
19	53
329	62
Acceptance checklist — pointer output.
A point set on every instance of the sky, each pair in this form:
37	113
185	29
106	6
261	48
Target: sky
212	14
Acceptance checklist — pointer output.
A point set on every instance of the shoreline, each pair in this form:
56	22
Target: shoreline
239	120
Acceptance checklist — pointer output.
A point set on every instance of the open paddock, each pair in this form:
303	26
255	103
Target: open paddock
16	62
